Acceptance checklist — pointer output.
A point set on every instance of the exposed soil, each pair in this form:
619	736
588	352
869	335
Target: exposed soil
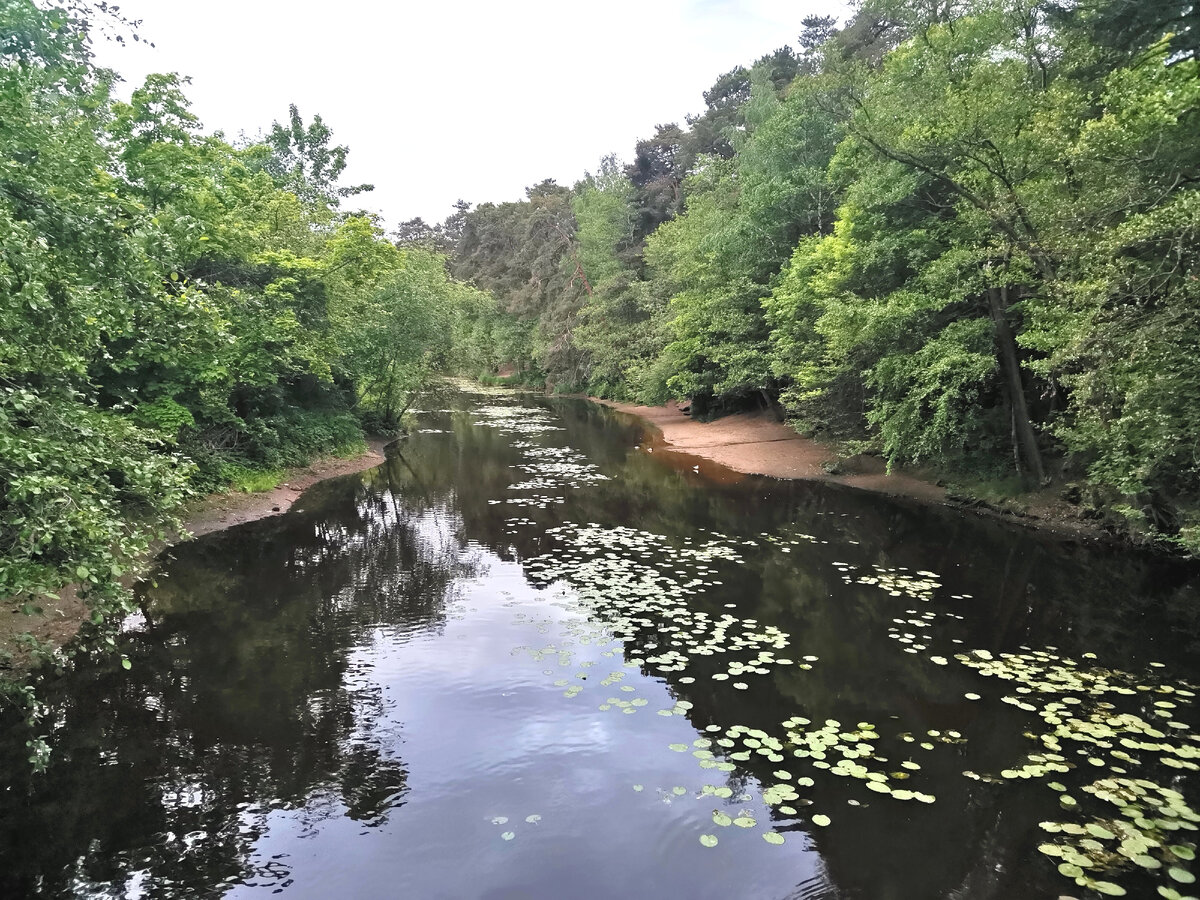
59	620
759	444
220	511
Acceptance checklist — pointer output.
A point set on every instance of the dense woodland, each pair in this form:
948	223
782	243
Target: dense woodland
177	312
963	234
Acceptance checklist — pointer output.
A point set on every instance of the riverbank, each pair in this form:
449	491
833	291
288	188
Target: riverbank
759	444
59	620
217	512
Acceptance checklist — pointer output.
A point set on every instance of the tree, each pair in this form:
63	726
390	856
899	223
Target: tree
392	313
85	489
302	161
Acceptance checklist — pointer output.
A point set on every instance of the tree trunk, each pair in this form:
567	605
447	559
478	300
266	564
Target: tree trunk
1010	366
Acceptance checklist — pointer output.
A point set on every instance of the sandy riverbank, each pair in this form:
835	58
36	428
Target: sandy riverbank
219	511
758	444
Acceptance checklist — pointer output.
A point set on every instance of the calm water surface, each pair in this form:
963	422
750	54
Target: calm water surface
527	658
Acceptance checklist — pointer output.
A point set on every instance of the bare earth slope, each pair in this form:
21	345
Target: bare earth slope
757	444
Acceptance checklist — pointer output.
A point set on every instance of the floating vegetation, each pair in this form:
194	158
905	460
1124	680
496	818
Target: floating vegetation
1111	721
636	588
634	593
516	419
897	582
631	596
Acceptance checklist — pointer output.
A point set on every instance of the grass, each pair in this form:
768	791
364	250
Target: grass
250	479
1002	492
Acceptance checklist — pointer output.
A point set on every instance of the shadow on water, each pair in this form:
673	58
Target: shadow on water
319	701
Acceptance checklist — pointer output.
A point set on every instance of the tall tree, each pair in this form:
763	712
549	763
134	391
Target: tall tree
303	161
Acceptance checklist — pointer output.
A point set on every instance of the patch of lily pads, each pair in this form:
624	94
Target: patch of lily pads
634	592
1133	822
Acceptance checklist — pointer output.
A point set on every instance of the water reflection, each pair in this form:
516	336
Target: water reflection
349	697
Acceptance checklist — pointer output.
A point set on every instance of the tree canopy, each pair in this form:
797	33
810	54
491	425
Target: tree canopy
956	234
176	313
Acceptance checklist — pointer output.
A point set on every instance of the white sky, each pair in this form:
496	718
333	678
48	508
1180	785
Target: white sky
443	99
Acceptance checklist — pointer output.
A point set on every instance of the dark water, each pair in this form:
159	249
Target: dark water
412	686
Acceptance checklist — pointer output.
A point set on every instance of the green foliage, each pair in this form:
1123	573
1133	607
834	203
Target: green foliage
85	489
250	481
85	492
526	255
963	234
176	314
1120	329
927	403
410	302
302	162
603	210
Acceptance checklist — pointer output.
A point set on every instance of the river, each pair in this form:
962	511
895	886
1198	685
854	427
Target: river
528	658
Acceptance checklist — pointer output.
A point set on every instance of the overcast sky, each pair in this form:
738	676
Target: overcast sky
444	99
